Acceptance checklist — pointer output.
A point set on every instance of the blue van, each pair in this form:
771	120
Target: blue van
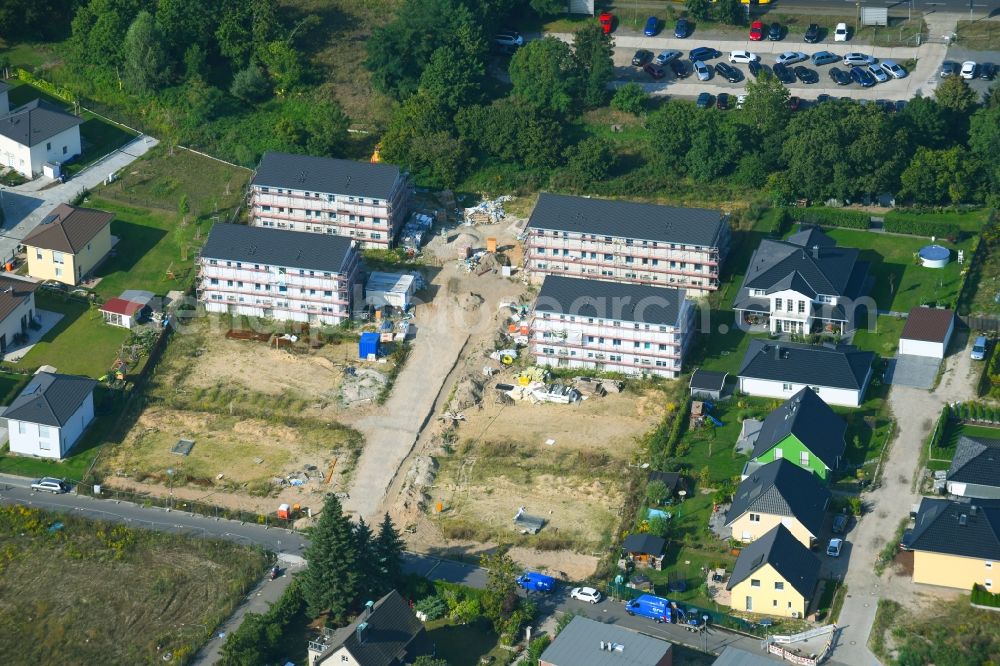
653	607
533	581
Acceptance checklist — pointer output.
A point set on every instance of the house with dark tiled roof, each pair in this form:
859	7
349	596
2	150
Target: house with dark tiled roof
774	575
804	431
803	284
975	468
779	493
17	310
646	551
838	374
48	417
626	241
956	543
37	133
387	633
68	244
927	332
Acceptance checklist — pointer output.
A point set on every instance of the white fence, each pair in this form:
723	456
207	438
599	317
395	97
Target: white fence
805	635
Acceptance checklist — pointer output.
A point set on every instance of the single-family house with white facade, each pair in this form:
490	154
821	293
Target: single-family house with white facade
277	274
610	326
804	284
50	414
38	133
927	332
837	374
17	309
626	241
363	201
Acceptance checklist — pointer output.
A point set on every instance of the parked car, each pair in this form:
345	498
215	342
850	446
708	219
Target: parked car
794	103
50	484
652	26
704	100
508	38
587	594
654	70
728	72
722	101
806	75
774	32
948	68
784	74
682	28
667	56
978	349
754	66
680	69
891	68
823	98
858	60
968	69
839	76
840	523
877	73
743	57
791	57
840	33
834	547
988	71
756	31
703	53
824	58
900	105
536	582
812	34
641	57
862	78
607	21
703	71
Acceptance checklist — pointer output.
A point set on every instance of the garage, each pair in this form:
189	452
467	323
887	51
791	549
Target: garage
927	332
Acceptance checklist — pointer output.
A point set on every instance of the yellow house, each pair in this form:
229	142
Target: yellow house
68	244
956	544
779	493
774	575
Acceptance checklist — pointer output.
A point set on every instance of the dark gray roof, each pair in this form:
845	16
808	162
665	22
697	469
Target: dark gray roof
628	219
976	461
644	543
782	488
940	528
326	175
708	380
14	292
50	399
672	480
277	247
393	635
813	423
4	86
837	367
732	656
35	122
579	644
582	297
794	562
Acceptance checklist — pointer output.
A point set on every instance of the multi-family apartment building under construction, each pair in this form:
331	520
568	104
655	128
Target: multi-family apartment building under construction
363	201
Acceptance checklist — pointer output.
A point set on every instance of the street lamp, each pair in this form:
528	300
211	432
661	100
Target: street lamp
170	488
704	629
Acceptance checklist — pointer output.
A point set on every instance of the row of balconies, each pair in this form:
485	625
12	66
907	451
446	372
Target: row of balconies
694	256
623	266
626	361
339	297
568	329
707	282
607	348
259	213
538	235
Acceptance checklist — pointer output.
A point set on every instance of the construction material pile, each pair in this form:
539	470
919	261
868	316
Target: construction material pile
487	212
412	235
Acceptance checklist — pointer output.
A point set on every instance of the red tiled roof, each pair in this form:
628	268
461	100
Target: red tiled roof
121	306
928	324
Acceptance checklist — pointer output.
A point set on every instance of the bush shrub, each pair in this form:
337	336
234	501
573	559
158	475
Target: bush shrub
630	98
897	225
831	217
983	597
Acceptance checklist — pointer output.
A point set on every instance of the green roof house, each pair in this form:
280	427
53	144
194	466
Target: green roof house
804	431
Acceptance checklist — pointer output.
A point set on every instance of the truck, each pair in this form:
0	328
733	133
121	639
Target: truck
533	581
653	607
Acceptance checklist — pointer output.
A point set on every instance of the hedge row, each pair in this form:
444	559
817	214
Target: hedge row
983	597
921	227
50	88
831	217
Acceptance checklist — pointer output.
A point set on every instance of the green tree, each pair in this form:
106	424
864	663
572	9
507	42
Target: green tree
927	122
630	98
389	547
657	492
991	99
715	146
195	61
670	138
766	107
729	11
145	61
419	137
250	84
698	9
284	64
590	161
500	599
984	141
369	572
941	176
183	206
99	30
326	128
330	582
954	94
186	22
21	19
594	55
545	74
548	7
430	661
453	78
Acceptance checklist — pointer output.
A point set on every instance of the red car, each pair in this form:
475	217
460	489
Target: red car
756	31
654	70
606	20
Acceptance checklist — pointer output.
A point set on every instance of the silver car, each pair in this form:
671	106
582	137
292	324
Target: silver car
667	56
878	73
858	60
893	69
50	484
791	57
703	70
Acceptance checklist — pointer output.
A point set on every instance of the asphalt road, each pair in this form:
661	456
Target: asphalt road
980	7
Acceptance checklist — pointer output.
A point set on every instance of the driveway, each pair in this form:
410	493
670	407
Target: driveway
25	206
915	371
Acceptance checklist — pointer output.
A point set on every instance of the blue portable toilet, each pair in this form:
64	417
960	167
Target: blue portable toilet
368	345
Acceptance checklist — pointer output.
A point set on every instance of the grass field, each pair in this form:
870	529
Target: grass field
979	35
985	294
58	604
465	644
940	456
884	339
941	633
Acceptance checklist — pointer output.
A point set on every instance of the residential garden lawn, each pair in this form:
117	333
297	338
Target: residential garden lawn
98	137
940	456
11	385
61	606
465	644
80	343
870	426
984	296
901	283
970	220
714	447
884	340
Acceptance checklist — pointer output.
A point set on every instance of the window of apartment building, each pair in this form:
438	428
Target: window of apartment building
257	286
804	458
282	288
328	293
629	260
663	329
786	387
777	304
615	323
615	357
216	297
696	268
661	364
779	585
607	239
211	262
616	342
754	582
548	350
229	283
635	345
541	250
662	347
754	517
265	189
